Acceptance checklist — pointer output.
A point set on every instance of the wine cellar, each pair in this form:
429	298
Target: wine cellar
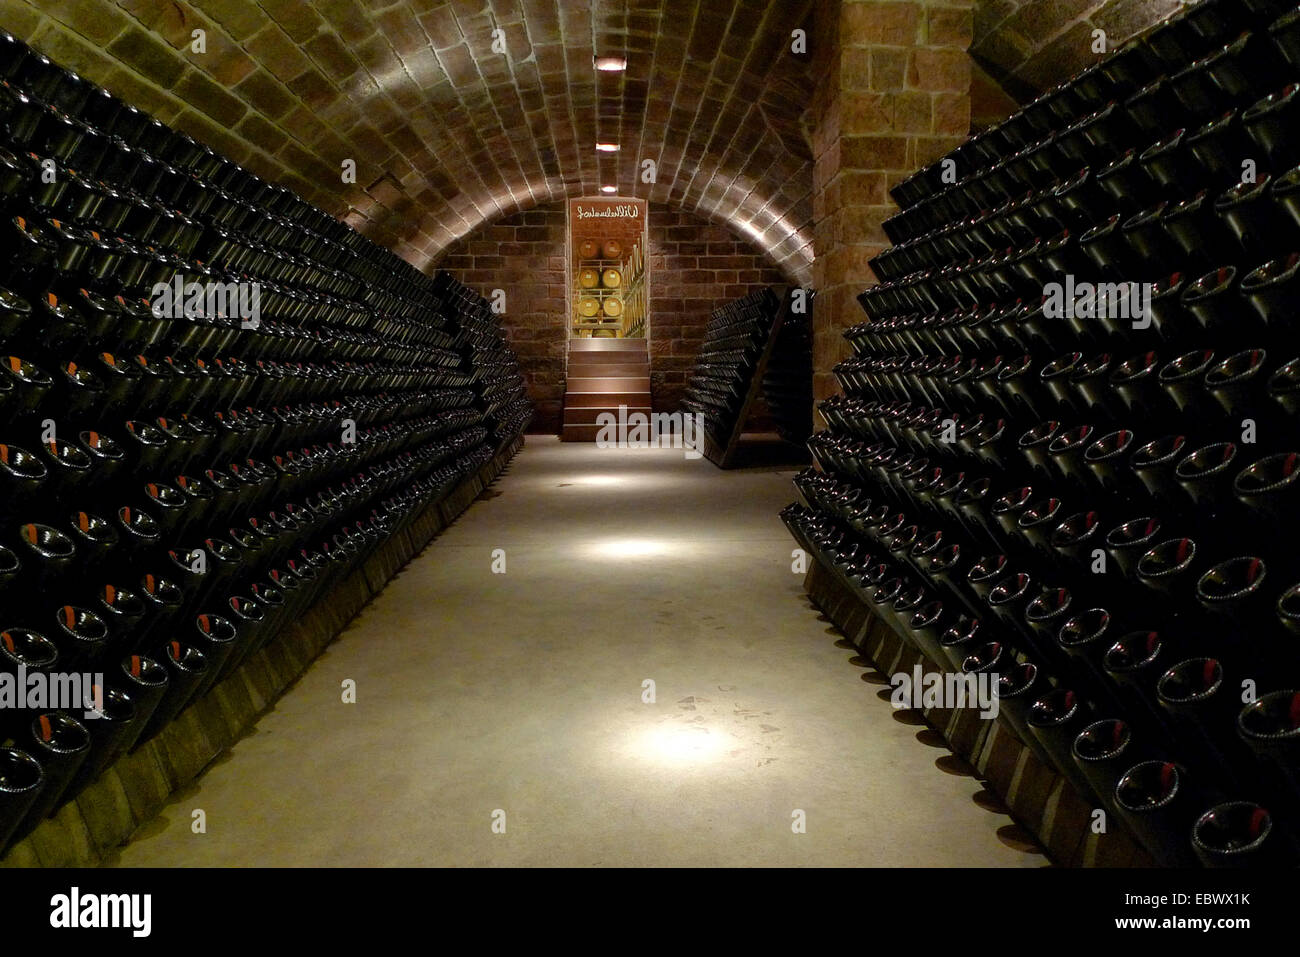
745	434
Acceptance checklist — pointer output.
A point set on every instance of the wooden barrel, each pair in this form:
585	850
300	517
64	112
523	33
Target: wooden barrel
588	249
613	306
611	279
588	279
588	306
613	249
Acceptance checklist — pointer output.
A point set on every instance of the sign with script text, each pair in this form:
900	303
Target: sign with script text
583	210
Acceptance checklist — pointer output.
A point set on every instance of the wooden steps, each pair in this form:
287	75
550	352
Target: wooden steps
607	345
603	374
603	400
584	369
609	383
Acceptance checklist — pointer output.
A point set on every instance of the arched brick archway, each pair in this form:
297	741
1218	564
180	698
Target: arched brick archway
466	112
696	266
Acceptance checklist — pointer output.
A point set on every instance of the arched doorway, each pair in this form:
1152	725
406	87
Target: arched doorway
608	268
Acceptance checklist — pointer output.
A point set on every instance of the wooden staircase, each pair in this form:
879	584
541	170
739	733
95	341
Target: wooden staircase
603	375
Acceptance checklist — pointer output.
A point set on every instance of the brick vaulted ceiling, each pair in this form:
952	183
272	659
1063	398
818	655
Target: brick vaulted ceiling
448	132
1028	46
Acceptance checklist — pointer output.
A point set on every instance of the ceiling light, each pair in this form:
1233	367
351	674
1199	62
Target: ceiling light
609	189
606	147
610	64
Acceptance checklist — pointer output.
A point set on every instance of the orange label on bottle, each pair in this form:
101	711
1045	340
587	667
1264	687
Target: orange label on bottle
47	730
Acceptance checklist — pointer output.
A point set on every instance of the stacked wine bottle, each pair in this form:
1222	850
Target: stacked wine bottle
734	339
215	402
1066	453
787	380
738	338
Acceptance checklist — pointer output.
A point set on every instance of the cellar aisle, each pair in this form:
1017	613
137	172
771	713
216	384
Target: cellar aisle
479	693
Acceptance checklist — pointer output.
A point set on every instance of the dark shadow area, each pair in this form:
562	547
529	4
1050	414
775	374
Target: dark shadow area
951	764
758	451
931	738
989	801
1017	838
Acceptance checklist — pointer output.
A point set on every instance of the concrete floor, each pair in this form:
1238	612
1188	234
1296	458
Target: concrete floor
522	692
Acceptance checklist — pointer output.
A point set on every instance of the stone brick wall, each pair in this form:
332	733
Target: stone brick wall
892	94
523	255
695	266
1030	45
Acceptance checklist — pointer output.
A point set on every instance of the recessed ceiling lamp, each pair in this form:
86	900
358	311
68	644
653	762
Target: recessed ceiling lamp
606	147
610	64
609	189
